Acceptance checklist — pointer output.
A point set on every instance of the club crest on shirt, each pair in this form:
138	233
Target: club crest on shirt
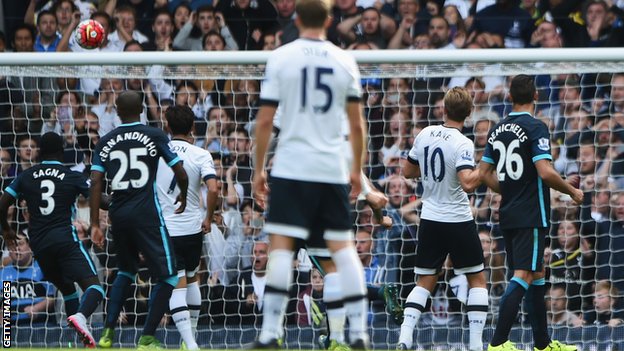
466	155
543	144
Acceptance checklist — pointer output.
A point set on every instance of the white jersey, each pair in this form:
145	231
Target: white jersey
441	152
311	81
199	167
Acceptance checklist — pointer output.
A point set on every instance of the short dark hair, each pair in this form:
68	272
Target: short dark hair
212	32
58	4
102	14
51	145
129	104
24	26
205	8
133	42
522	89
313	13
45	13
180	119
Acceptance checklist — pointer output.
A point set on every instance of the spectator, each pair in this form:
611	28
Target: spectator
181	15
482	110
506	20
617	93
439	33
163	31
192	36
570	264
48	38
6	161
213	41
558	312
125	23
23	38
27	155
411	21
457	26
286	21
32	298
609	245
607	309
219	125
248	20
367	26
310	306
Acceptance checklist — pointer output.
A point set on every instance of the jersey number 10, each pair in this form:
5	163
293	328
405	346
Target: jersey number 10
436	156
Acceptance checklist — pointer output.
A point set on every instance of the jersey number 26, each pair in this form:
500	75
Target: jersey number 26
510	160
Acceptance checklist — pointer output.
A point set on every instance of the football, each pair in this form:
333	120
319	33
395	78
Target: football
89	34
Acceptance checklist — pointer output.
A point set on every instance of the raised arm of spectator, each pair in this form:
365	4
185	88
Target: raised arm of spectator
123	34
68	32
409	211
110	6
397	42
180	40
29	17
345	28
230	42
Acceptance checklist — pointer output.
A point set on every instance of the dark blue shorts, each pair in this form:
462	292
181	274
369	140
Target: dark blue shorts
65	262
153	242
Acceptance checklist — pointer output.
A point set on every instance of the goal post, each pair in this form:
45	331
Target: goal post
581	99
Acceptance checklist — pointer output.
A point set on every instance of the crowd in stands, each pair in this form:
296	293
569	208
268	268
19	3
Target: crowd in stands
585	113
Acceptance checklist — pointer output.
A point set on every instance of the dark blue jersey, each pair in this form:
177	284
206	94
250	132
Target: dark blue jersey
129	156
50	190
514	145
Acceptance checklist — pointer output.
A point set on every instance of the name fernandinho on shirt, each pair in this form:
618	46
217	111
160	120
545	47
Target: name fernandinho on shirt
138	136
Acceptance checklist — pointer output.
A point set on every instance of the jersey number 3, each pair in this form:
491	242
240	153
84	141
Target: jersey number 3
510	160
134	163
318	85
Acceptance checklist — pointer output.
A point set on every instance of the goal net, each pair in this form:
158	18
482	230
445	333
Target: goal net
581	99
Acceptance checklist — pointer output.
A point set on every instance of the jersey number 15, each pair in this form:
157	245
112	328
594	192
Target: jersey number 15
319	72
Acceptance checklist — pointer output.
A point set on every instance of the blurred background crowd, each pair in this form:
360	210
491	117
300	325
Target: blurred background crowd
585	113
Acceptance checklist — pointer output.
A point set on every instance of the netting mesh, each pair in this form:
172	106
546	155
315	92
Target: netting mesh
581	102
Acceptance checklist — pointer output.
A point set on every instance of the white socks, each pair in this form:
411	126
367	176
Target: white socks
353	287
414	306
477	308
279	278
193	299
182	318
336	313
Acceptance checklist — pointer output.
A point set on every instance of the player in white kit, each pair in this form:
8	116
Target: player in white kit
187	228
317	85
444	160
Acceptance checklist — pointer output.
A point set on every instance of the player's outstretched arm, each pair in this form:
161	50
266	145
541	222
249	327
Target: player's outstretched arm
182	179
551	178
5	202
487	174
469	179
95	197
264	127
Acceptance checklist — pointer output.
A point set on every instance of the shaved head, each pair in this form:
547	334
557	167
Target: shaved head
129	106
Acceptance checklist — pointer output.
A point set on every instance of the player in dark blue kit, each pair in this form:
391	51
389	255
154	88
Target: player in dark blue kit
517	164
128	156
50	190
